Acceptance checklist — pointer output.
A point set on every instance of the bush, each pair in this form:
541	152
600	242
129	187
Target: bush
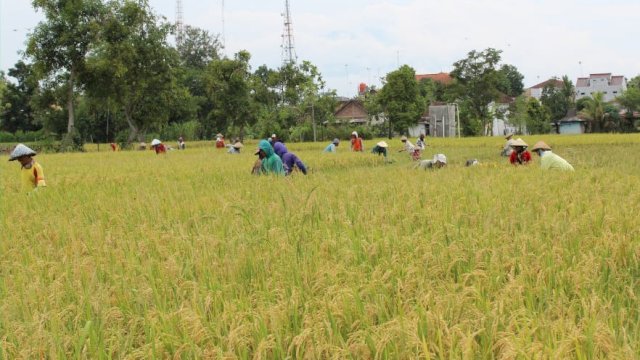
7	137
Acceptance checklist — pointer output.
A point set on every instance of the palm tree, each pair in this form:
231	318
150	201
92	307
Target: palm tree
594	112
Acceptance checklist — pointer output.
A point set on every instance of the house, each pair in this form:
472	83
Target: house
572	125
610	86
351	111
441	77
500	125
440	120
536	90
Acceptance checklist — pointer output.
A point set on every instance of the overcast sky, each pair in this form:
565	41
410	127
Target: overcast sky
353	41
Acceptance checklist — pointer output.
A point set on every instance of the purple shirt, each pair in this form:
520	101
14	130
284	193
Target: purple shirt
289	160
280	149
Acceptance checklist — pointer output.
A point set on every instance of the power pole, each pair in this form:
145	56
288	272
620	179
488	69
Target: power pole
223	31
288	47
179	23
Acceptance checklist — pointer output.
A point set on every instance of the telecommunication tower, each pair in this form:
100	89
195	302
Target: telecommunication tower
288	48
179	23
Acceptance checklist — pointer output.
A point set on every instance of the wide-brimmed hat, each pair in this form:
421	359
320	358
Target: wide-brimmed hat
541	145
519	142
21	150
440	157
508	135
355	133
238	145
403	138
219	135
155	142
336	141
383	144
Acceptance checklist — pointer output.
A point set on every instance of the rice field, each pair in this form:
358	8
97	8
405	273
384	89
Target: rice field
129	255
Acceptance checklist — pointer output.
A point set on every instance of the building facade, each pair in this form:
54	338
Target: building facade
610	86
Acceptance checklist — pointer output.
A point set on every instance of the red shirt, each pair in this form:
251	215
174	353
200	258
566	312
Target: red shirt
160	149
522	158
356	144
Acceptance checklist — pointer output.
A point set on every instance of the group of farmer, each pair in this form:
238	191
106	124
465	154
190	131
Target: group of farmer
518	154
274	157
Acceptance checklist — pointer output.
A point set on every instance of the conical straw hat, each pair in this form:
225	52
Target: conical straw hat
541	145
21	150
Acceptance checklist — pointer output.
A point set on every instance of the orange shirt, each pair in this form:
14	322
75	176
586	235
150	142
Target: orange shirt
356	144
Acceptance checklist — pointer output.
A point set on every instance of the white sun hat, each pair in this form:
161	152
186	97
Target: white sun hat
355	133
21	150
383	144
441	158
155	142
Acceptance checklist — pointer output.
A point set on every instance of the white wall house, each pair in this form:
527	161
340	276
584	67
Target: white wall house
536	90
610	86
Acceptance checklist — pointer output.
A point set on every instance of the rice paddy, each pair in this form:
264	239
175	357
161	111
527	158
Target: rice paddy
137	256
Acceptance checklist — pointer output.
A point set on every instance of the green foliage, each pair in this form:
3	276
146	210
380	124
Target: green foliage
59	44
511	84
400	100
539	117
16	106
518	114
555	101
134	67
594	112
479	82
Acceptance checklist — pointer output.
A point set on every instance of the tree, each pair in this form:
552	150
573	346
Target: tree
134	67
512	84
518	113
400	99
60	44
18	111
555	101
594	112
479	83
630	101
538	117
198	48
227	82
634	82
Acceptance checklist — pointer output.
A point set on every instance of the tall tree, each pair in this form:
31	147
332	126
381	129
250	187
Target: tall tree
18	111
479	83
227	82
538	116
555	101
134	66
511	84
400	99
59	44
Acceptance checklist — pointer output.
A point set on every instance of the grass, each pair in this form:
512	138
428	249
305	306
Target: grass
133	255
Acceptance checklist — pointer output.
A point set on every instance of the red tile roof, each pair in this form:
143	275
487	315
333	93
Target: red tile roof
441	77
554	82
617	80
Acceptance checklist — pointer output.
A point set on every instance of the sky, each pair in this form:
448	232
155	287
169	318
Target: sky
354	41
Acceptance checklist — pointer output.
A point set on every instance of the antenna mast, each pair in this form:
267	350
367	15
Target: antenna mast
179	23
223	35
288	48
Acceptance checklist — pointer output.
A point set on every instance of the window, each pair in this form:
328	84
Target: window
615	92
581	93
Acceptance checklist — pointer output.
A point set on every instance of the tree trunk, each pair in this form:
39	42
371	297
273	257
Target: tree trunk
133	134
71	122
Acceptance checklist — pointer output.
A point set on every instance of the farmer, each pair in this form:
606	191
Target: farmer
549	160
235	148
181	143
380	149
472	162
438	161
31	172
158	146
421	143
331	148
410	148
273	139
291	162
520	155
270	162
219	141
356	142
280	148
507	150
114	147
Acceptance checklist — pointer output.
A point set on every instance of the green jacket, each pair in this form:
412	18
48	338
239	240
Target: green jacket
272	164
